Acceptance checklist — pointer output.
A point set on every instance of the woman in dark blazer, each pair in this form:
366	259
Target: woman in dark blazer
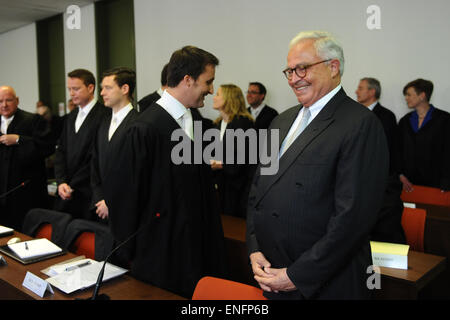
424	154
232	179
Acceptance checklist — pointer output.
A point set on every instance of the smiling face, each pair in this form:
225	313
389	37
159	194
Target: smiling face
201	87
319	79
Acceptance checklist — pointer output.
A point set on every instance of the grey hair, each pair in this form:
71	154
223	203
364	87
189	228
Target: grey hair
327	47
373	83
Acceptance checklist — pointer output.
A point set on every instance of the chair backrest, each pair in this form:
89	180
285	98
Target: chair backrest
413	223
44	231
211	288
84	244
426	195
50	224
89	238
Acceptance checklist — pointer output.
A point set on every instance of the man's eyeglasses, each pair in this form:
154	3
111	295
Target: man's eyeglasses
253	92
300	70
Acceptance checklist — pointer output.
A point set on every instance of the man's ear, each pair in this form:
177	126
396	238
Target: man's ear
335	67
125	89
91	88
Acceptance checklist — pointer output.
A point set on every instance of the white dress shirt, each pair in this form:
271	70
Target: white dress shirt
5	123
178	111
83	113
256	111
315	108
117	119
372	106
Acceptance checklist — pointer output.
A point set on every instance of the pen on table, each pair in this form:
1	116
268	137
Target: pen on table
26	246
78	266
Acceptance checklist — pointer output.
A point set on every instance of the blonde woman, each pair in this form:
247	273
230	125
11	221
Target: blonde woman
233	180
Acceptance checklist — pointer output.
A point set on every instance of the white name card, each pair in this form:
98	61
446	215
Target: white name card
36	284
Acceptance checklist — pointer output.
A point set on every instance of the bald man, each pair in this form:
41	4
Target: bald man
24	145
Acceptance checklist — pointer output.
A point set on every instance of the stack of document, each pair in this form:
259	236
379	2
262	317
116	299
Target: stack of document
34	248
81	274
5	231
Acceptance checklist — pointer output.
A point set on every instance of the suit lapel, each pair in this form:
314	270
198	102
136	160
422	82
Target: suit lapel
12	128
315	128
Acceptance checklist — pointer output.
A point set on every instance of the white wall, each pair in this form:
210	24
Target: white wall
80	45
251	38
18	65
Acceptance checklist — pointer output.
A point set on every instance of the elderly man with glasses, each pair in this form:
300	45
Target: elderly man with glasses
308	225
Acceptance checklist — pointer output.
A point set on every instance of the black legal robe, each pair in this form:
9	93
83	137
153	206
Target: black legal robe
235	178
24	162
105	152
388	227
148	100
73	161
424	157
182	237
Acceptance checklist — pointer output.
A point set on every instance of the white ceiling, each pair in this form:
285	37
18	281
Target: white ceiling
17	13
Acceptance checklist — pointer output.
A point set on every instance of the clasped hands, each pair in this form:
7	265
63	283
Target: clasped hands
270	279
9	139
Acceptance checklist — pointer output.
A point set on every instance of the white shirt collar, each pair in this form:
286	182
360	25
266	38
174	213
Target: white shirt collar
174	107
122	113
8	119
317	106
86	109
160	91
255	111
372	105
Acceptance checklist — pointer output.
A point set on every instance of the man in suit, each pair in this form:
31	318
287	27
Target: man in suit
388	227
148	100
308	225
117	91
180	238
25	142
262	113
73	153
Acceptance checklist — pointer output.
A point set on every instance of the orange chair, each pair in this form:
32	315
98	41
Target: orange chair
211	288
89	238
427	195
49	224
413	222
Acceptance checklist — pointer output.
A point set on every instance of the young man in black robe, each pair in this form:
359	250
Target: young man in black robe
173	207
117	91
73	153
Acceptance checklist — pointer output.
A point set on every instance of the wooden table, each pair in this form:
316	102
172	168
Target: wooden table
121	288
422	269
395	283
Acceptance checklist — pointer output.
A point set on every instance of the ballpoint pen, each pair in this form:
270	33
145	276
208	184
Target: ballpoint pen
78	266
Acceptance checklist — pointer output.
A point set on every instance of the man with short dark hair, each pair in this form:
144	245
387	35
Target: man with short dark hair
25	142
148	100
117	91
262	113
73	153
181	237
